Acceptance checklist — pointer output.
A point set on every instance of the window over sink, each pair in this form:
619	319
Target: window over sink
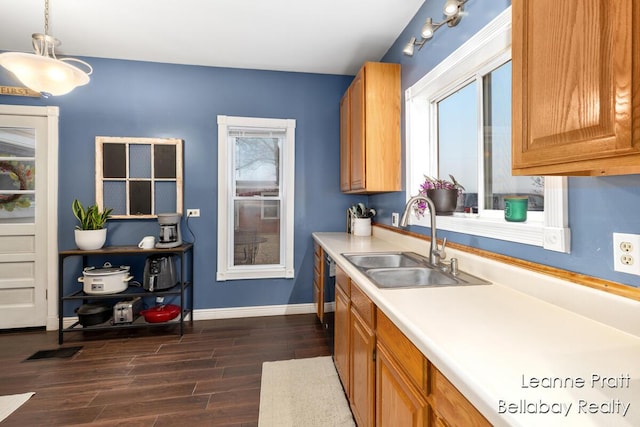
458	123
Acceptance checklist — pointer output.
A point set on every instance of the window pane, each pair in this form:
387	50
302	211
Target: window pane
257	166
257	233
140	198
114	161
497	146
115	196
164	161
458	141
17	175
140	161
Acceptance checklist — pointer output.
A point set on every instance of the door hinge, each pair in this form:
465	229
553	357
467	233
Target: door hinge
374	355
46	294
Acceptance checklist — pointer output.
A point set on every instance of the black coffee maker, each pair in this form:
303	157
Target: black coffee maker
170	236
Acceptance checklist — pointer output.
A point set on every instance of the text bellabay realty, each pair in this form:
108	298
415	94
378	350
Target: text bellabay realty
582	406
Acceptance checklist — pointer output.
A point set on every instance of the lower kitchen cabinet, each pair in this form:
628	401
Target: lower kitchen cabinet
398	402
362	365
388	381
342	322
401	382
318	281
450	405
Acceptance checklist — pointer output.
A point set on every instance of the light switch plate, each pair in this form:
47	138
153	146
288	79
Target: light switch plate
395	219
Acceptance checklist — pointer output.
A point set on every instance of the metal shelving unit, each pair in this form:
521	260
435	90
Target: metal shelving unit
183	290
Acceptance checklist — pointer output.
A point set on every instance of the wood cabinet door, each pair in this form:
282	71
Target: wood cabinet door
451	405
341	345
357	131
318	282
345	143
573	87
362	387
398	402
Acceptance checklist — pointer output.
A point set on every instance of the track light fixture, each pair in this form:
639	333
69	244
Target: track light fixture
452	9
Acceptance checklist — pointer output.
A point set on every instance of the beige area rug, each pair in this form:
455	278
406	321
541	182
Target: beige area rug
10	403
304	393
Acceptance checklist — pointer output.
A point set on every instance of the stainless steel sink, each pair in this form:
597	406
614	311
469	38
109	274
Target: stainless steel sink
407	270
409	277
384	259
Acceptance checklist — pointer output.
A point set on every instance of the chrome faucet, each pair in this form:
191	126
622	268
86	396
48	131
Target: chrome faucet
435	254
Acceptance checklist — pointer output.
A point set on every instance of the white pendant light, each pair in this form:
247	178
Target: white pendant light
42	71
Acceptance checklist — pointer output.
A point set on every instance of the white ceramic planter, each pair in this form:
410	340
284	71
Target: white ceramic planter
88	240
361	227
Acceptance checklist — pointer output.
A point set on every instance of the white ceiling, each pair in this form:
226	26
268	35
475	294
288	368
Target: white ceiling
324	36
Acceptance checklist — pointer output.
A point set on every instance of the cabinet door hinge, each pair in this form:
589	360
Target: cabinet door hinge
374	355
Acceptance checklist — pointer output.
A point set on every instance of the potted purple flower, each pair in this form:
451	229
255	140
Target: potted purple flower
443	193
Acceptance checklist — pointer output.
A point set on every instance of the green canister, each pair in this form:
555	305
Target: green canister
515	208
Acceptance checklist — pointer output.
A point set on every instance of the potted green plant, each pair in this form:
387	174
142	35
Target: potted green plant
91	233
361	219
442	192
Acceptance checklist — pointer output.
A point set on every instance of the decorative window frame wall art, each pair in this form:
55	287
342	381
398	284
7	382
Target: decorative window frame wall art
139	177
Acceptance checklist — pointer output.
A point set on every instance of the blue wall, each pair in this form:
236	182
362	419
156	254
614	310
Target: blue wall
129	98
139	99
598	207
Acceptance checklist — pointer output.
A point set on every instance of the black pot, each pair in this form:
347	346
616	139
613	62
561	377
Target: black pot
94	313
444	200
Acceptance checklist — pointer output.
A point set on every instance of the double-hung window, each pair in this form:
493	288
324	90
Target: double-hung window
255	197
459	123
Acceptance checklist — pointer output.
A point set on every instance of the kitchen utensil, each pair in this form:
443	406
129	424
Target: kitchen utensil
94	313
147	242
105	280
161	313
159	272
170	236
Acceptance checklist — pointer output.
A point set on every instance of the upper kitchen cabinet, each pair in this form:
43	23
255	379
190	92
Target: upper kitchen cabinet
370	130
576	87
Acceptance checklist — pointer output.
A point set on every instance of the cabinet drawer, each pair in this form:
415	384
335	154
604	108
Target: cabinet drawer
451	405
343	281
363	305
413	361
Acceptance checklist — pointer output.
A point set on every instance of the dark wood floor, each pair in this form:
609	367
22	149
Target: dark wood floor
208	377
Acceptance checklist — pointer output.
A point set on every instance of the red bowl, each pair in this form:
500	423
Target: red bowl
161	313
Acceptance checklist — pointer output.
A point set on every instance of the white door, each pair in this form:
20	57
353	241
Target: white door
28	215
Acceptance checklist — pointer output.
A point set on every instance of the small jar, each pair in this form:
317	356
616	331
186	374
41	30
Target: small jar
515	208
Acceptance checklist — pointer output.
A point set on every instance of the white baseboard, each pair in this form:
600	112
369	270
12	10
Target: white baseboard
228	313
257	311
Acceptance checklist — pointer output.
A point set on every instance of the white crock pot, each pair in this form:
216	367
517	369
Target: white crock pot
105	280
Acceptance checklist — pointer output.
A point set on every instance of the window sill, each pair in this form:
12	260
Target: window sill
254	273
530	232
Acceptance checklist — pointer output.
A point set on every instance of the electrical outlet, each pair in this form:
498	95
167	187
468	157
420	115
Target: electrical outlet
626	257
395	219
193	213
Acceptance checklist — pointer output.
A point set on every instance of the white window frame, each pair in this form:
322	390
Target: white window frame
226	269
486	50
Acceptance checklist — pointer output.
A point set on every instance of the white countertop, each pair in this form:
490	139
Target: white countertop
493	342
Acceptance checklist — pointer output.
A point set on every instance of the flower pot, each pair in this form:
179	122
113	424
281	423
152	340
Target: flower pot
444	200
88	240
361	227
